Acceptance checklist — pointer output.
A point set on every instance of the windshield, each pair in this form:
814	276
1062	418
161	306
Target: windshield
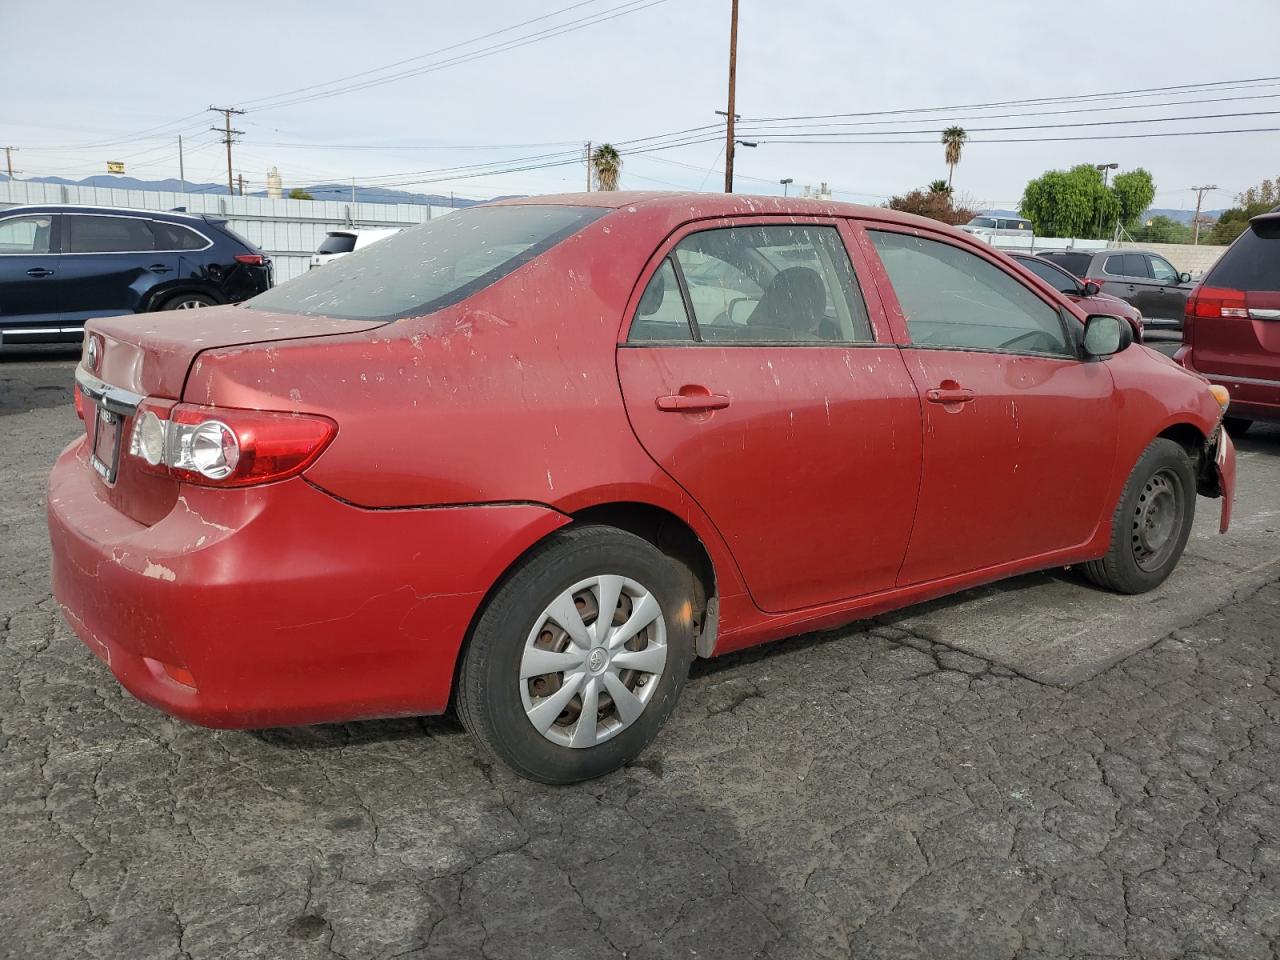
428	267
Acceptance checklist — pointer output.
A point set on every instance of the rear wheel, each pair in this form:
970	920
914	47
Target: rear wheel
188	301
579	657
1152	521
1237	427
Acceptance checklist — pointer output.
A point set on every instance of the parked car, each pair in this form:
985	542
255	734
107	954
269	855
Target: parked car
1232	331
1085	293
995	225
1140	277
60	265
506	460
338	243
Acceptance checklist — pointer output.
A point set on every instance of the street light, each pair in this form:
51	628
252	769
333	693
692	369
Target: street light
786	182
1106	169
746	143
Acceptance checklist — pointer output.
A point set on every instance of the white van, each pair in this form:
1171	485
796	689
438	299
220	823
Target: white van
338	243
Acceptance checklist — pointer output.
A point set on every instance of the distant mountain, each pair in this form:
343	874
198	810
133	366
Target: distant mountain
320	191
1181	216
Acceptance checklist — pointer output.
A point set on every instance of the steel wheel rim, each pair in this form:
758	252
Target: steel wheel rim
581	685
1156	520
189	305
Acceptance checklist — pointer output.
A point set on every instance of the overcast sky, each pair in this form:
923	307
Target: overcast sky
77	78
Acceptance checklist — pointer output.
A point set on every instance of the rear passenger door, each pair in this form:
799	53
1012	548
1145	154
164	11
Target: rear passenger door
111	263
1019	434
1125	275
758	376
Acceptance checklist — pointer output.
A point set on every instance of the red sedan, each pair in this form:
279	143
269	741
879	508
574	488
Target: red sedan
532	458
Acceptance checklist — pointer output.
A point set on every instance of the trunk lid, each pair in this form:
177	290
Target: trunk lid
150	353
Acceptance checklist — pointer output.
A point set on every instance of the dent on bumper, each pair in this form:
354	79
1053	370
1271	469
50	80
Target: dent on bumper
285	605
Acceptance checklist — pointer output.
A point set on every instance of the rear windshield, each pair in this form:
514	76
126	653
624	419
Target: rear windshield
223	226
338	243
1252	262
1077	263
428	267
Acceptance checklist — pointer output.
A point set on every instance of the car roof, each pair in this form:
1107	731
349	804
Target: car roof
132	211
708	205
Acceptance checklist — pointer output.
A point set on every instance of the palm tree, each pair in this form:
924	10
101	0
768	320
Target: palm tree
939	186
606	164
953	138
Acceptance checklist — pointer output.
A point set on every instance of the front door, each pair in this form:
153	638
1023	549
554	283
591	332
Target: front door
1019	434
754	376
29	276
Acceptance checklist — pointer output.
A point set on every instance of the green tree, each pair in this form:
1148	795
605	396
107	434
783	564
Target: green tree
1133	191
953	139
297	193
606	165
1163	229
939	186
1255	200
1076	203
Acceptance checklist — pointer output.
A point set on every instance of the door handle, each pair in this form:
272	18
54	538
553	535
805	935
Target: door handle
39	272
160	268
691	403
949	395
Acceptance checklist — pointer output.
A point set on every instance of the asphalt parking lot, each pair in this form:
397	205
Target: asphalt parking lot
1031	770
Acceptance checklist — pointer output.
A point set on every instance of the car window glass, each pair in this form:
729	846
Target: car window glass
338	243
1114	265
107	234
982	222
773	284
1252	262
1161	269
953	298
1060	280
25	234
430	266
173	236
1135	265
661	314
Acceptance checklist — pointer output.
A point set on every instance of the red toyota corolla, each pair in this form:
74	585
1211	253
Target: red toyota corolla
533	457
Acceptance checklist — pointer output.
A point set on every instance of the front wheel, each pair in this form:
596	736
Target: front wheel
579	657
188	301
1151	523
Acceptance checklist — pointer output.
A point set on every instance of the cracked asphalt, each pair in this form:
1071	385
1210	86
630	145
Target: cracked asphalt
864	793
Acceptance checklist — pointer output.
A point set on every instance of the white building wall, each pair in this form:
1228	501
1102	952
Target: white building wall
288	231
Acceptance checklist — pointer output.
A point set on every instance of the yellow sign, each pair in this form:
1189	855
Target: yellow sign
115	166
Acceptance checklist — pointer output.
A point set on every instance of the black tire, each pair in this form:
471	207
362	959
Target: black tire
1151	522
188	301
1237	427
490	698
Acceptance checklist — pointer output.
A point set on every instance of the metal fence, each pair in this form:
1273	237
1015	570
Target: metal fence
288	231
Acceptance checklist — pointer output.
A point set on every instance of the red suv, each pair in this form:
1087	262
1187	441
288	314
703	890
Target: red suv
532	457
1231	333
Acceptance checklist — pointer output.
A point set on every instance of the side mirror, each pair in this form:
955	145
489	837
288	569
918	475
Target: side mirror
1184	277
1104	336
1091	289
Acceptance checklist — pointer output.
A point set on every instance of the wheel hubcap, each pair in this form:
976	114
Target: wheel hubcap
592	661
1156	520
190	305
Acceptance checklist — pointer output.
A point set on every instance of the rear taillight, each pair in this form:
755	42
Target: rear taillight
1209	303
252	259
221	447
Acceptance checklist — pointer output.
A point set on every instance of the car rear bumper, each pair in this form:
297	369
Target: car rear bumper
1252	398
279	604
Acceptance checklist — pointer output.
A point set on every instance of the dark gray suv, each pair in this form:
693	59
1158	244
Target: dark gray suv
1140	277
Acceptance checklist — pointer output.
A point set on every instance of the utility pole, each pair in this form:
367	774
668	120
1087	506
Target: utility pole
730	115
227	137
1200	192
8	159
240	181
588	166
182	171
